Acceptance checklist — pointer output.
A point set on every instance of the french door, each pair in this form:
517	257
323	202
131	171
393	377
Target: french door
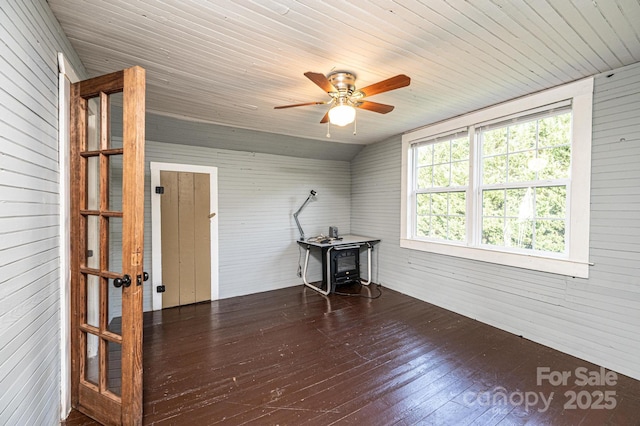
107	201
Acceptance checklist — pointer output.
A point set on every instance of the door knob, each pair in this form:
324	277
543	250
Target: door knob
124	281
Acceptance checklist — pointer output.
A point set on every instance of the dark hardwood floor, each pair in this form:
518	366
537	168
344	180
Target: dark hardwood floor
292	356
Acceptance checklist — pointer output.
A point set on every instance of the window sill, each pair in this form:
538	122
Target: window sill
561	266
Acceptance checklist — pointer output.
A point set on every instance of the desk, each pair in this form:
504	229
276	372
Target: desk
347	242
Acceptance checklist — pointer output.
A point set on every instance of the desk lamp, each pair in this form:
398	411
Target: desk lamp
295	215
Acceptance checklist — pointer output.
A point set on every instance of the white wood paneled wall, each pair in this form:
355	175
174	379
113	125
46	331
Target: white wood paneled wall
29	213
597	319
257	195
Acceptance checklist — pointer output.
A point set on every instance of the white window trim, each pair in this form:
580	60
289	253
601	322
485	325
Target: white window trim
576	262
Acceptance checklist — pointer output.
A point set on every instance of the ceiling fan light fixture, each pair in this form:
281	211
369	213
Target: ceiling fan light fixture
341	115
340	86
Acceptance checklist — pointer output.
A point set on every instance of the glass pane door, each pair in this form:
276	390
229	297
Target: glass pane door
107	220
101	271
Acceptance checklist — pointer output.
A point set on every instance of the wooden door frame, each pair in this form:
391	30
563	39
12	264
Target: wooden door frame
156	238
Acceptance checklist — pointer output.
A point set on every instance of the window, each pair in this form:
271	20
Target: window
441	182
508	184
525	170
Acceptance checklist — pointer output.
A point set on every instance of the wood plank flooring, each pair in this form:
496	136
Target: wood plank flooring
293	357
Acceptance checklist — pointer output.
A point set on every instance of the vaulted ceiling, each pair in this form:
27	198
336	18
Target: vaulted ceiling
230	62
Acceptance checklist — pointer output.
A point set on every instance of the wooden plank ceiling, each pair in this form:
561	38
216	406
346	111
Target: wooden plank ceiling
231	62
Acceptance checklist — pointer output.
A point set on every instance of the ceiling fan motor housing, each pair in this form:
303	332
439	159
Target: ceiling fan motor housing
344	81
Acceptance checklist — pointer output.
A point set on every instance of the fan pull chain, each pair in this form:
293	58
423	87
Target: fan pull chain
355	127
328	129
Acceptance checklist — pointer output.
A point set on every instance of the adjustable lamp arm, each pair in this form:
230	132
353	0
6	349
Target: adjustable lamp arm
295	215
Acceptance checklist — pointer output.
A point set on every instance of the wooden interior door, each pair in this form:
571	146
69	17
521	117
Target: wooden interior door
186	238
107	201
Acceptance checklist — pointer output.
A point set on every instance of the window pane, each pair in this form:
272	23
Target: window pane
494	142
93	183
550	235
538	149
425	177
441	152
457	229
93	124
435	166
423	204
519	233
114	367
553	131
92	362
441	175
93	242
460	173
92	297
423	212
115	182
519	170
439	227
425	155
117	120
441	216
494	170
520	203
522	136
115	246
460	149
423	226
439	203
493	203
558	162
457	203
551	202
536	164
493	231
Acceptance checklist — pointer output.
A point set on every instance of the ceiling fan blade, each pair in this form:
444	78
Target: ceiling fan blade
375	107
299	105
321	81
325	119
392	83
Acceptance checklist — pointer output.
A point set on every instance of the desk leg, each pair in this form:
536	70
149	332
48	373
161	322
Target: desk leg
368	266
304	276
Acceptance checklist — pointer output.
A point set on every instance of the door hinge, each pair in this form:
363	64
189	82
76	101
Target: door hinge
160	289
159	189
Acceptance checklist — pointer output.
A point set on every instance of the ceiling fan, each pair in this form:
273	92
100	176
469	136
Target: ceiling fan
340	86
